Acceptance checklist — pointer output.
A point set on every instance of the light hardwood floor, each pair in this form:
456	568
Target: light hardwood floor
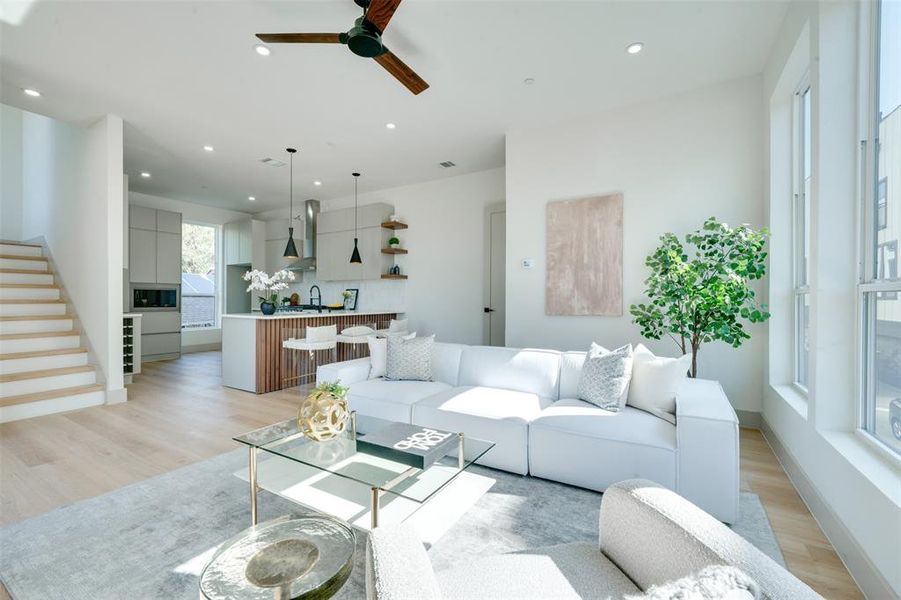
179	413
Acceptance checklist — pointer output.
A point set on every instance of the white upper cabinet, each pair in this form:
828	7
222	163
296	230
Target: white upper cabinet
140	217
168	222
142	256
239	242
154	246
168	257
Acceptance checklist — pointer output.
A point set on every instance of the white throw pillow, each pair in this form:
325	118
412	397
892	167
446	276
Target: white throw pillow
655	381
604	380
357	330
410	359
378	354
398	326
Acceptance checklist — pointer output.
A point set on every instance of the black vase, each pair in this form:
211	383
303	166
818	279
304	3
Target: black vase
267	308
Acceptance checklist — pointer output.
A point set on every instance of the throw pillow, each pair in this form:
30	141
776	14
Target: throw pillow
410	359
655	381
398	326
357	330
605	376
378	355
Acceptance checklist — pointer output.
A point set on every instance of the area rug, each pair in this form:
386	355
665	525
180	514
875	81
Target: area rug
152	539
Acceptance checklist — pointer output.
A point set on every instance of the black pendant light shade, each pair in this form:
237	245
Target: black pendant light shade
355	255
291	248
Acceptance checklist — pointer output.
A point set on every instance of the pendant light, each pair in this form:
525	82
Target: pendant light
355	255
291	249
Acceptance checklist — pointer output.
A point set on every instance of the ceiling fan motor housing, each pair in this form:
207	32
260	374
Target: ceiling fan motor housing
363	40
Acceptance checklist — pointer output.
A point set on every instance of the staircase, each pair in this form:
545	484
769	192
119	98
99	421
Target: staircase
43	367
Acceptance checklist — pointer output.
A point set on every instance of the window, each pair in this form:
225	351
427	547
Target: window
880	284
199	292
801	231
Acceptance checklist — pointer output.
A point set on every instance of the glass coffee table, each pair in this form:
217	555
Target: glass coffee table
340	458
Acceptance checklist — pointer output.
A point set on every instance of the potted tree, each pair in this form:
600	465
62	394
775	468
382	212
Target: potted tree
700	291
393	242
260	281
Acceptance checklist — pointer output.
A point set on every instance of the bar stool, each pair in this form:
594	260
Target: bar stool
317	339
356	337
395	327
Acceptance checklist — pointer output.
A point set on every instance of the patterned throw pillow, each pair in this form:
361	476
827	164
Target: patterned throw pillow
605	377
410	359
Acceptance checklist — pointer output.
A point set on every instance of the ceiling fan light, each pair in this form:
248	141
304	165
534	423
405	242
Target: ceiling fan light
290	248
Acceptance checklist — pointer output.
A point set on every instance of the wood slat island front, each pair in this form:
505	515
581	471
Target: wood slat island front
252	355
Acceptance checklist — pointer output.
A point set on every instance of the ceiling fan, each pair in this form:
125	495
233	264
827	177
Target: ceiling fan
364	39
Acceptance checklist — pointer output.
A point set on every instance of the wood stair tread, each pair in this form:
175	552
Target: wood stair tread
26	271
50	394
39	353
38	334
24	257
9	243
31	301
37	318
42	286
45	373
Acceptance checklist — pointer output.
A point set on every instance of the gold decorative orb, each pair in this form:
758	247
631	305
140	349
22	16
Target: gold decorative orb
322	415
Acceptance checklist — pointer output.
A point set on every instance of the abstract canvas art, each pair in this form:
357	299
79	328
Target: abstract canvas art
584	259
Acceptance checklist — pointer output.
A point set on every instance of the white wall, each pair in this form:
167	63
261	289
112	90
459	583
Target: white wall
677	161
853	490
446	239
196	339
70	185
10	173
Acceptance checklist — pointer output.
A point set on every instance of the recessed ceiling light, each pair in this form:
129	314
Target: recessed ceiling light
634	48
262	49
528	81
145	174
208	148
251	198
31	92
317	182
390	125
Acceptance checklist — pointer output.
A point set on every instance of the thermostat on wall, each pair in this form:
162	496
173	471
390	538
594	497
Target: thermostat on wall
527	263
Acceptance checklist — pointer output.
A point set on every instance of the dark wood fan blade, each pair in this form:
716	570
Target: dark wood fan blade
380	12
300	38
402	72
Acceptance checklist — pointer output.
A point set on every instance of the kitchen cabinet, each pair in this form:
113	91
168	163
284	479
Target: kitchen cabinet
142	256
335	242
238	243
168	257
140	217
167	221
161	321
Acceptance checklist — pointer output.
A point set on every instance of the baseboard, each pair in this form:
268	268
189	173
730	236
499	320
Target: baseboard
201	348
749	418
865	574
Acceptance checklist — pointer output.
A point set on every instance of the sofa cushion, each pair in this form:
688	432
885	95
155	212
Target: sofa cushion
528	370
390	400
497	415
446	362
564	571
578	443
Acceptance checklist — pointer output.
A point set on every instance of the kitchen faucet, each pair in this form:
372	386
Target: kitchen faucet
318	297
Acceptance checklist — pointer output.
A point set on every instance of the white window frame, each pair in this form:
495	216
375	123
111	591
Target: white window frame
800	232
869	286
217	260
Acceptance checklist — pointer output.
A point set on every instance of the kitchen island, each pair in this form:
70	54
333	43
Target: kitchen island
252	354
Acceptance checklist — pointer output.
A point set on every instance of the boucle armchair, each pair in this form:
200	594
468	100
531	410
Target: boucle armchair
653	545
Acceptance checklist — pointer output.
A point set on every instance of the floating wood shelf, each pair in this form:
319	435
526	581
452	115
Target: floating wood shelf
390	276
394	225
394	250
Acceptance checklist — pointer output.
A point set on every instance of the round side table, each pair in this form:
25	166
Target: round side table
288	558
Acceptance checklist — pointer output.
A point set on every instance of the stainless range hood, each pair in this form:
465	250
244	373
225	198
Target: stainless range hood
310	220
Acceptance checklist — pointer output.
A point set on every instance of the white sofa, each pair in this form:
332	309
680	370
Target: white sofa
653	545
525	401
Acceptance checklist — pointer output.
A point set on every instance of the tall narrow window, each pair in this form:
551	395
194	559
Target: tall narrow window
801	172
880	287
199	299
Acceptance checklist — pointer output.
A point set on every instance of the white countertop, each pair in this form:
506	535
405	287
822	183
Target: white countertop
132	315
308	314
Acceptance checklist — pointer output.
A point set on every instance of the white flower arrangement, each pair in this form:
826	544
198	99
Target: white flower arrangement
260	281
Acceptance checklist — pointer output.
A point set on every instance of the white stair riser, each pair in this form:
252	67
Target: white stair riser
31	265
20	250
36	326
29	293
46	384
26	278
47	407
40	308
39	363
37	344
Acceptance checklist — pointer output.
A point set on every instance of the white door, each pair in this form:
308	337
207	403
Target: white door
497	280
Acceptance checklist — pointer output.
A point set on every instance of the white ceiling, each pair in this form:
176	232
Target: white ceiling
184	74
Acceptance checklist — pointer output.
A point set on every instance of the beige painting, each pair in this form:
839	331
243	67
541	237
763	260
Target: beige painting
585	256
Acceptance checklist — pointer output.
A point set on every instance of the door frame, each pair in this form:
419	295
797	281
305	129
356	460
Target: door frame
493	208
